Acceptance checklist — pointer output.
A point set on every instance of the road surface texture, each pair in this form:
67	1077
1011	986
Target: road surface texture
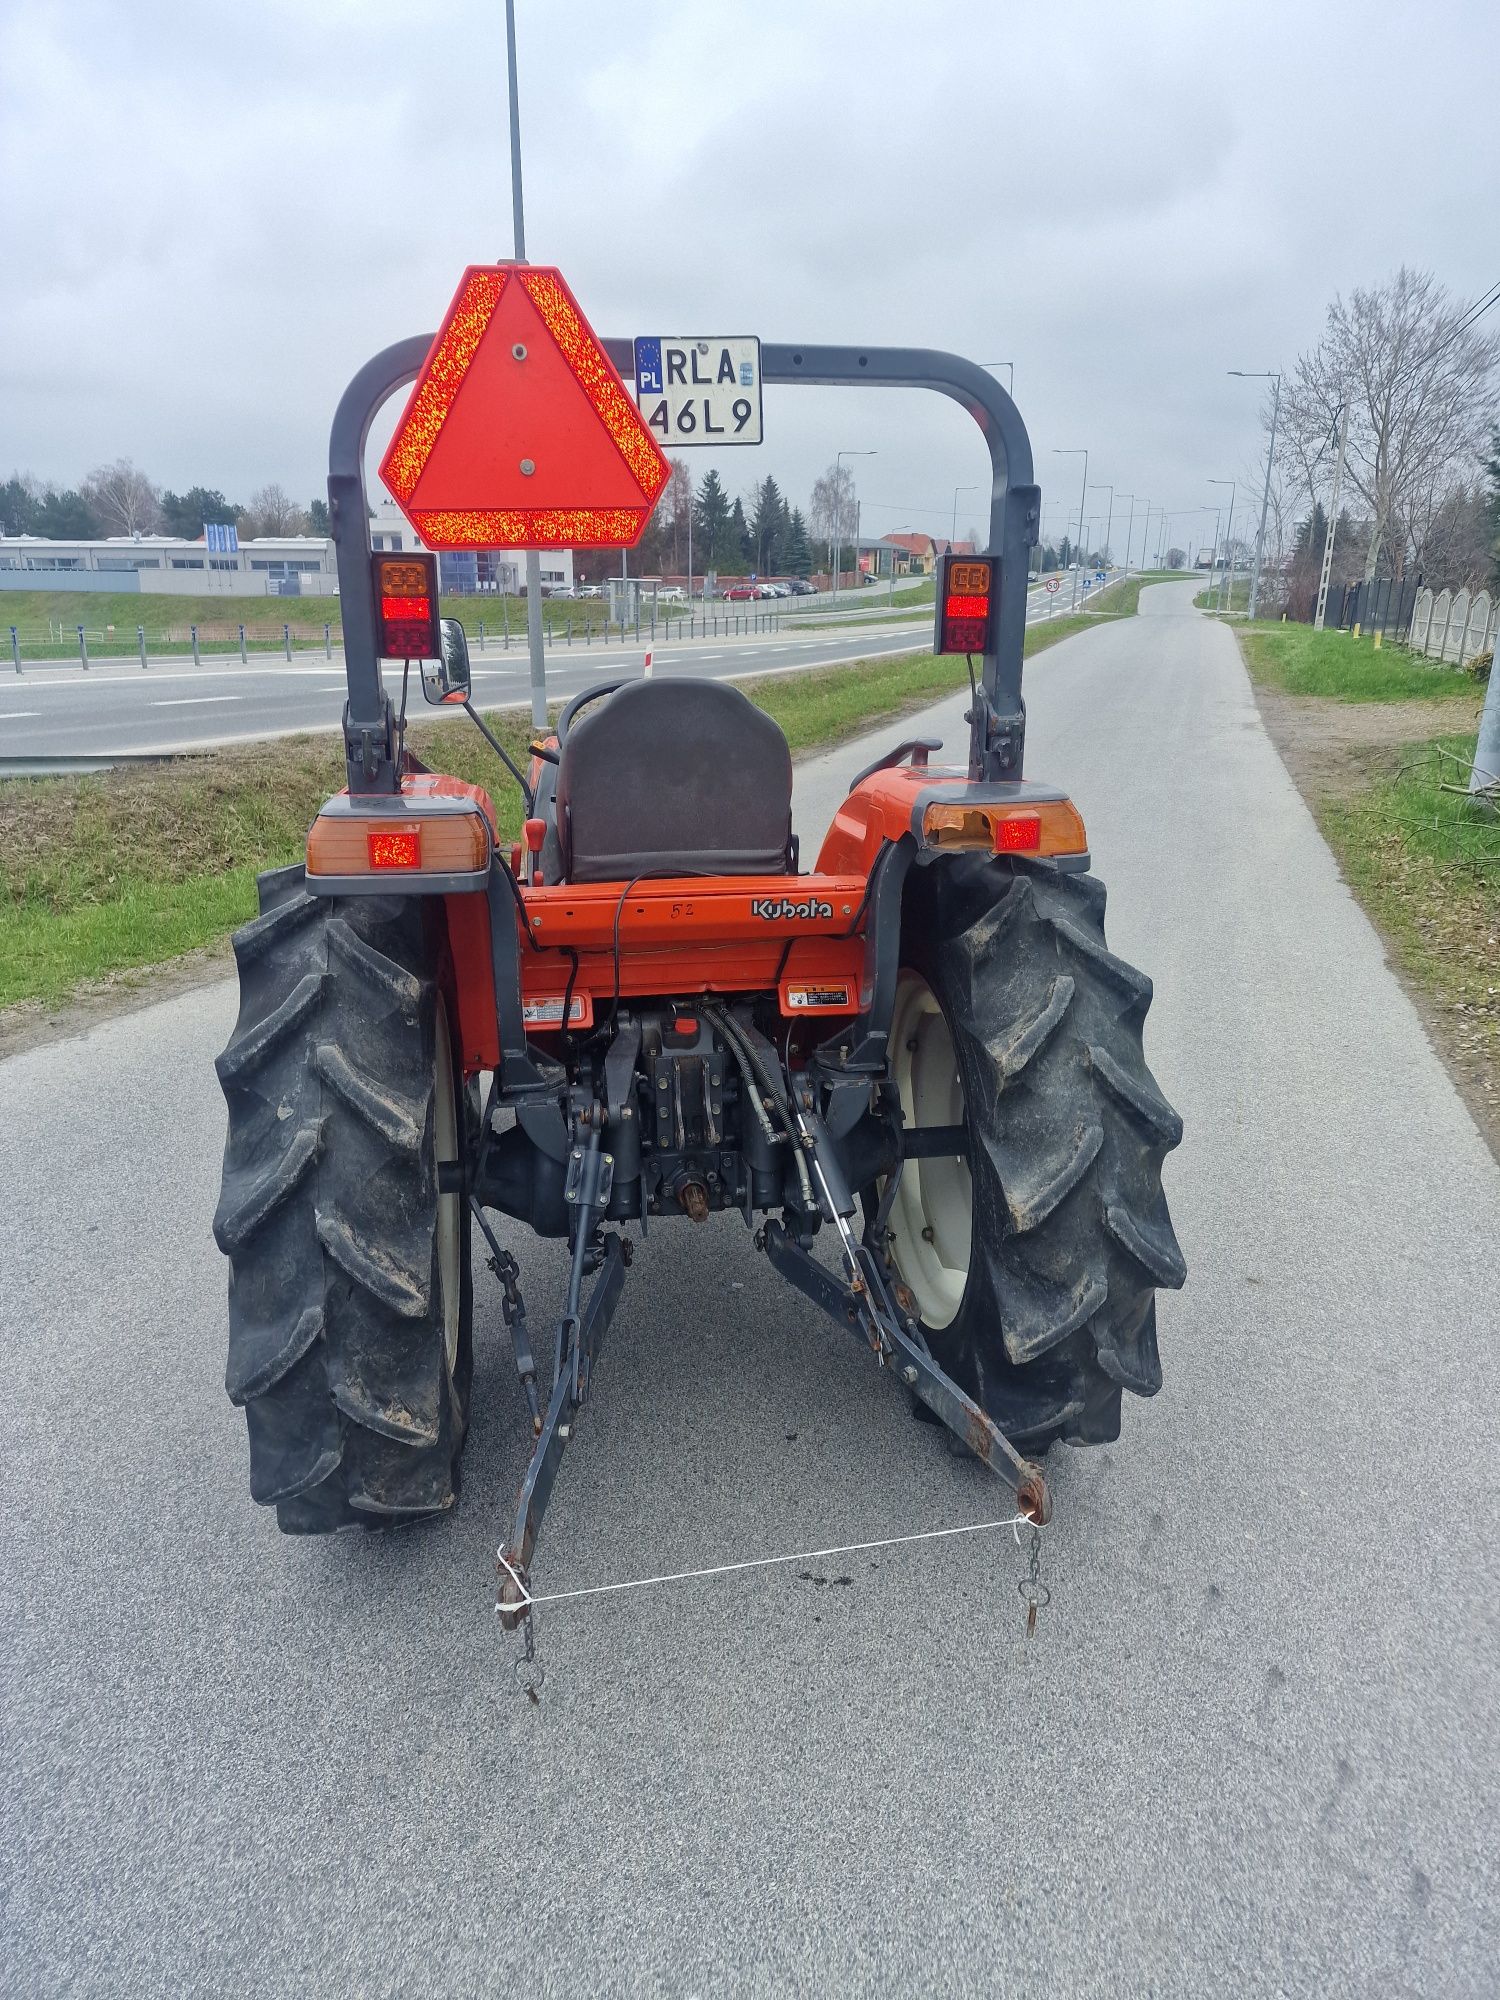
1251	1749
57	709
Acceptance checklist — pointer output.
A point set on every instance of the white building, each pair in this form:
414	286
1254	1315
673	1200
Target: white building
471	572
268	566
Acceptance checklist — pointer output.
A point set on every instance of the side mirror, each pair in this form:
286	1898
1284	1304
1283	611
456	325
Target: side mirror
447	679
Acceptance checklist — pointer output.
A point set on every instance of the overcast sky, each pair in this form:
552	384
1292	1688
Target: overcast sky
211	215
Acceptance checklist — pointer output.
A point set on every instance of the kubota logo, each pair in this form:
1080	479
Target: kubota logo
776	909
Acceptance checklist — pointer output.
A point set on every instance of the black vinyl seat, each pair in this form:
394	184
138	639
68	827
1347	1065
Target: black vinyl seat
674	777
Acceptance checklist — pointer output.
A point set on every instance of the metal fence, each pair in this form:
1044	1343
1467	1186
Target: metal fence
1452	625
1383	606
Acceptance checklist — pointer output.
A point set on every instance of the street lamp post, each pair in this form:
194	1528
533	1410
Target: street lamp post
1129	525
1109	520
534	647
1263	375
1076	451
838	543
1226	592
953	536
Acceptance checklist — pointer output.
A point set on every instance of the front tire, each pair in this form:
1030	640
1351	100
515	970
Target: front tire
350	1300
1033	1262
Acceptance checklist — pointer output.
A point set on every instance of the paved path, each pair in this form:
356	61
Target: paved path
1252	1749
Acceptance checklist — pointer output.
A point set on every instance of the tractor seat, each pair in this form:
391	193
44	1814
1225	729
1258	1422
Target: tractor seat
674	777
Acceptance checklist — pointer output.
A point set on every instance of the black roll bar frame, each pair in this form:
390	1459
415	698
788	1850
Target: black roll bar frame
998	722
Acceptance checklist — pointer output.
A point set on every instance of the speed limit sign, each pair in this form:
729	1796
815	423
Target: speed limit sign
1054	585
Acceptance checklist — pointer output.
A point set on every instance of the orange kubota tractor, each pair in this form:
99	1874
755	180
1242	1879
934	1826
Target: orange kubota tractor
651	1009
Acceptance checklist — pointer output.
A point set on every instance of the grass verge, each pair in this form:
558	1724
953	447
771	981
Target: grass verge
125	869
1340	667
1379	744
1124	593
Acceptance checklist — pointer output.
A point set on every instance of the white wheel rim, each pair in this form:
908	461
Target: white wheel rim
449	1217
932	1218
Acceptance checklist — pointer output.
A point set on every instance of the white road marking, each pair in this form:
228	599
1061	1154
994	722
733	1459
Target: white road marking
195	700
18	714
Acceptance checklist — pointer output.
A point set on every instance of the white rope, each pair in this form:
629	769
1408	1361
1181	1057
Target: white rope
528	1602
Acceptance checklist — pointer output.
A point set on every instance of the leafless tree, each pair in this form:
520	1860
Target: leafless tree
1420	393
676	510
273	511
831	514
1455	548
123	498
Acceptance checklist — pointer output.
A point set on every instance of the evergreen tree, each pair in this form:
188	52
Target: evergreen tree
798	558
67	517
768	528
711	526
187	514
18	507
740	539
317	517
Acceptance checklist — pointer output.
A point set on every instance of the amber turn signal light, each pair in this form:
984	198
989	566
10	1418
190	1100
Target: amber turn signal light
368	844
1048	827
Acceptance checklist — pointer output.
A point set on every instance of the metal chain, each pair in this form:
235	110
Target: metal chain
529	1670
1034	1593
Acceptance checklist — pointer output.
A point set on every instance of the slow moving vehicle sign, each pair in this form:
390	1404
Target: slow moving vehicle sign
699	389
519	432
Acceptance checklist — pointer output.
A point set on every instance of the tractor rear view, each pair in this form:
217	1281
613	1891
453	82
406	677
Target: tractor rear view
918	1048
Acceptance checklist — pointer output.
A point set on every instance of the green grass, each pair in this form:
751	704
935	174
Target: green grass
1239	596
1425	863
105	874
1340	667
1122	597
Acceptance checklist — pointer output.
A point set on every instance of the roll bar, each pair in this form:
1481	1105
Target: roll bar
998	723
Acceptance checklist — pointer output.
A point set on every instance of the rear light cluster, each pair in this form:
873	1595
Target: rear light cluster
1052	826
353	843
406	606
967	587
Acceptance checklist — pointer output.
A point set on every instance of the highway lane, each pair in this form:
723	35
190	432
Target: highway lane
60	710
1252	1749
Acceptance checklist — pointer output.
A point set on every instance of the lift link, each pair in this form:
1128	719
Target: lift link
867	1303
579	1332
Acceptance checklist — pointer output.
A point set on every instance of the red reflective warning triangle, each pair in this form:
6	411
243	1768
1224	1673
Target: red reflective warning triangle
519	432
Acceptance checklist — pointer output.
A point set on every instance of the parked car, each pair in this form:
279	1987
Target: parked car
800	587
591	590
741	593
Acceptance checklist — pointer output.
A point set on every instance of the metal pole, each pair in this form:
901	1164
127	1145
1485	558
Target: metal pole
1224	586
534	638
1265	499
140	640
244	656
1486	772
517	206
15	647
1076	451
83	649
327	640
1333	515
286	639
194	632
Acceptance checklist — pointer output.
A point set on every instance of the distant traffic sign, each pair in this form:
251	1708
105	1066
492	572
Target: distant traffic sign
1054	585
519	432
696	390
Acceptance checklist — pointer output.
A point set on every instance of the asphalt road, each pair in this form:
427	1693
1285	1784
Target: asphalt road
58	709
1251	1749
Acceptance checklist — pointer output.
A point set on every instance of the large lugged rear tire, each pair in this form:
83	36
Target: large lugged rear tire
349	1291
1035	1262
